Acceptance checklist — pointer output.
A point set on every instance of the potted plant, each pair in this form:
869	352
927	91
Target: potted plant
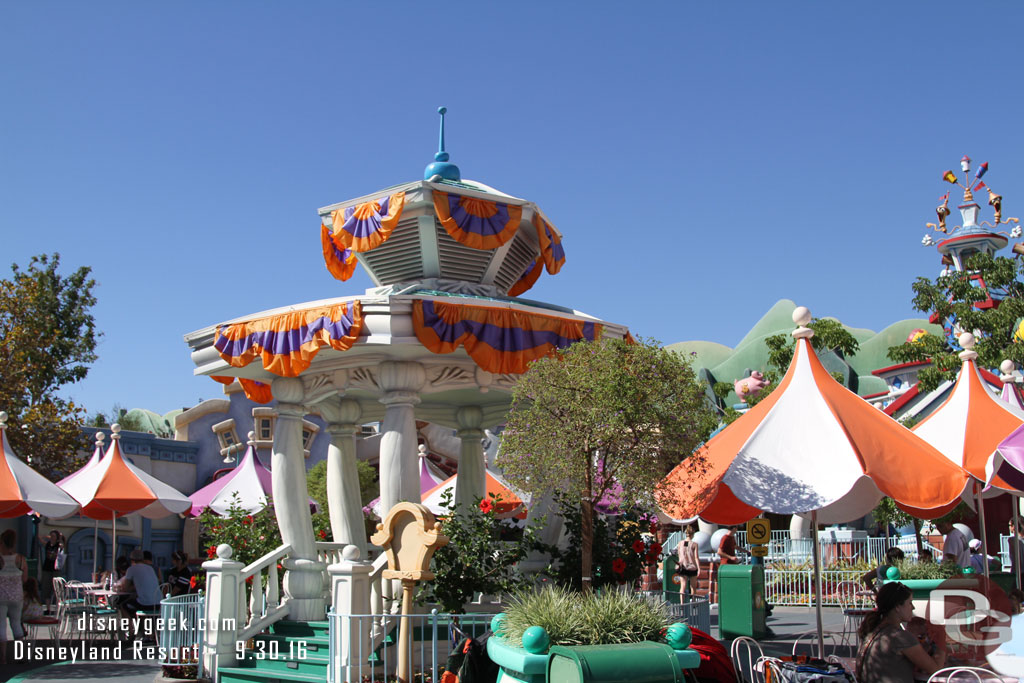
556	627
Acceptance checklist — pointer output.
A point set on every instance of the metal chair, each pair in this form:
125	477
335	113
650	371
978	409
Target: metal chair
745	653
964	674
809	640
50	624
854	610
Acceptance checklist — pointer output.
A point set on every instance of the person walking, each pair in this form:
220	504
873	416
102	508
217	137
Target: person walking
53	547
688	559
13	574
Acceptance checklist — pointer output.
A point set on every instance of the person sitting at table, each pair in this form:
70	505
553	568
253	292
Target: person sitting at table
140	577
888	653
1016	600
893	556
180	576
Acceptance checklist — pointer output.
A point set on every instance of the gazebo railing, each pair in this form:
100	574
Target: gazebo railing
181	638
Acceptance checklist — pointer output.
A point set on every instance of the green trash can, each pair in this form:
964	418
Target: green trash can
645	662
741	601
669	580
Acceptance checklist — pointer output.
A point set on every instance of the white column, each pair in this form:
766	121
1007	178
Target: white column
471	484
401	382
343	501
223	580
303	579
350	586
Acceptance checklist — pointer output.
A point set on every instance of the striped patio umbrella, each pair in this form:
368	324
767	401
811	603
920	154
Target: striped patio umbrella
97	455
1008	460
23	490
811	447
114	487
969	426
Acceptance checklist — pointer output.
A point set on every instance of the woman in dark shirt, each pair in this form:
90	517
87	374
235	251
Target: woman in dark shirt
889	654
180	576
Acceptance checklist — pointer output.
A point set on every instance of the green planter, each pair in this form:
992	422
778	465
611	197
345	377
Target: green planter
593	662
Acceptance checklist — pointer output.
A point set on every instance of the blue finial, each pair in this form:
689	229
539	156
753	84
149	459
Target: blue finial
441	167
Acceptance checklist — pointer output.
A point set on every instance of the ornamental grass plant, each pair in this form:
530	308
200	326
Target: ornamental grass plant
570	618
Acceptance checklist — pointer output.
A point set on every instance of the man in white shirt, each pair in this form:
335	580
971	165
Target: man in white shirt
955	548
147	588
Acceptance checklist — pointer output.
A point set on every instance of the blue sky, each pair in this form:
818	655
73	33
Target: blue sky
703	160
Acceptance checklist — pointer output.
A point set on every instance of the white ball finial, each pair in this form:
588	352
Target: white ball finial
251	438
116	431
422	448
802	315
3	419
350	553
1007	367
224	552
967	340
100	436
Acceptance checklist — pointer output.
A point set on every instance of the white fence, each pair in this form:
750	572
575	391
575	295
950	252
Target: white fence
796	587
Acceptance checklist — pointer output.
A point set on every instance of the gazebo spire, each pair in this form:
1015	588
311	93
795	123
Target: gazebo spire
440	169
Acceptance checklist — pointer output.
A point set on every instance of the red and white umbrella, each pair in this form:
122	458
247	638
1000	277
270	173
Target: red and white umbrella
23	490
509	503
114	487
811	446
969	426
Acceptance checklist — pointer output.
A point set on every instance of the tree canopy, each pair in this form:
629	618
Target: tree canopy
960	298
47	341
603	415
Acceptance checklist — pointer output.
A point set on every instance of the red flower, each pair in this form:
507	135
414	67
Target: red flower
654	528
280	566
323	534
638	546
486	505
211	552
248	582
193	582
618	565
655	548
247	520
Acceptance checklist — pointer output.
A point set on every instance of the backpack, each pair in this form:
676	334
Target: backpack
807	670
715	664
469	663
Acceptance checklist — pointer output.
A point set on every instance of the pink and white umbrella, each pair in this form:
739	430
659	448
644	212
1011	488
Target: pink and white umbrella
97	455
246	487
23	490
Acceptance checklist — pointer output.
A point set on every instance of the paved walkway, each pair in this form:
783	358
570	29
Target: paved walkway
787	623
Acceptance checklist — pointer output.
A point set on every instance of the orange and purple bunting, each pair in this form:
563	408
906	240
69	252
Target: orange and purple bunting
499	340
288	342
477	223
528	279
551	250
341	263
368	225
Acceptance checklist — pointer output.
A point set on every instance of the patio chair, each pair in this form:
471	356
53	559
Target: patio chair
745	653
855	608
51	625
809	641
964	674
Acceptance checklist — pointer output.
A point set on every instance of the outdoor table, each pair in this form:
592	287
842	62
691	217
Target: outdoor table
968	677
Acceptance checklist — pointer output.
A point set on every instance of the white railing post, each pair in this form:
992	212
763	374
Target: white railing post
350	599
223	579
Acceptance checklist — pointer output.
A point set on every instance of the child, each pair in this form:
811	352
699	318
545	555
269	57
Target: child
33	608
919	627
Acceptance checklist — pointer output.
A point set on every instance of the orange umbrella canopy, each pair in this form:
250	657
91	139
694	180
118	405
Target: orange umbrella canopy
811	445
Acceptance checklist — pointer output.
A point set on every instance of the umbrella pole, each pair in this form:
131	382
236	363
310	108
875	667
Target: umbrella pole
817	582
95	545
981	524
1014	541
113	548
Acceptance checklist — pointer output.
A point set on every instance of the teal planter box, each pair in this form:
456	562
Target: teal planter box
517	665
658	661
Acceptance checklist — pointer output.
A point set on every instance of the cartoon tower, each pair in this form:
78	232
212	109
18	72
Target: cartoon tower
962	242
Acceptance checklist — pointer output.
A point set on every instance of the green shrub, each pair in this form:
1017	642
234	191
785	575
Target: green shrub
928	570
570	618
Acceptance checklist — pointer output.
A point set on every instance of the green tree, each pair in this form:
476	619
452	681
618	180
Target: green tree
603	414
121	416
47	341
960	295
316	482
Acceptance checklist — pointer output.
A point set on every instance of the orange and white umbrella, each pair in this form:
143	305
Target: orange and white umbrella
23	490
509	503
114	487
969	426
810	446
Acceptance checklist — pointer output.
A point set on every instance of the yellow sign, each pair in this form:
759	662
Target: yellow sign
759	551
758	531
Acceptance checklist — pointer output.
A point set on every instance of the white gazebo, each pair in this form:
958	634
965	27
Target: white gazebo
440	338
